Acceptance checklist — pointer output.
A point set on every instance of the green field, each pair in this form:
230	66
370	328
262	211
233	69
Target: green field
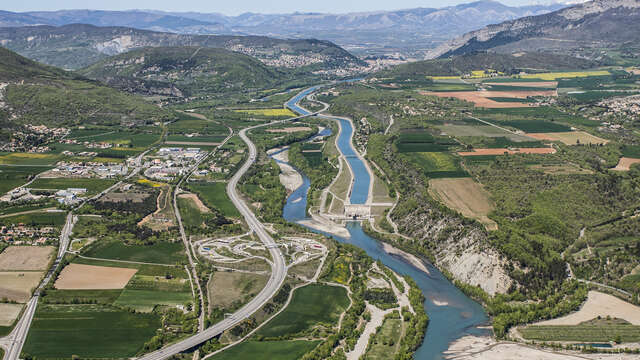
385	341
161	252
145	300
214	195
437	164
272	350
536	126
586	333
93	186
89	331
422	141
53	296
632	151
191	215
37	219
14	176
309	306
32	159
176	271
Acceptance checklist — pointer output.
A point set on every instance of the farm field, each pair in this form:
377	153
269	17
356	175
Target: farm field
145	300
28	158
541	84
13	176
385	341
625	164
227	288
93	186
36	219
309	306
599	304
25	258
268	112
535	126
162	252
550	76
9	313
465	196
570	137
88	331
215	195
437	164
482	152
481	98
480	130
17	286
89	277
584	333
192	214
422	141
272	350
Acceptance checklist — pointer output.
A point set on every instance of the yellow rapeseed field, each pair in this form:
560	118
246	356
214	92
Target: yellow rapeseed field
560	75
150	183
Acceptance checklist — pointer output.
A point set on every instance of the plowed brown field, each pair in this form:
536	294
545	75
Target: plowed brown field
89	277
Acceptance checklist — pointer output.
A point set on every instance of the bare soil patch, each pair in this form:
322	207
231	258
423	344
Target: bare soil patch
89	277
481	98
465	196
9	313
290	129
512	151
25	258
196	200
541	84
18	286
136	197
226	288
570	137
599	304
625	164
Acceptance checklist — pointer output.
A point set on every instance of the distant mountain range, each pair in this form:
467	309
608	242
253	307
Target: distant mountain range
79	45
593	25
409	31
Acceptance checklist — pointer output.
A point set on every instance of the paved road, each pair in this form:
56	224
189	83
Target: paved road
14	342
278	273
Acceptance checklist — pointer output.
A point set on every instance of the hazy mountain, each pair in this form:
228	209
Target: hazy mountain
595	24
410	31
76	46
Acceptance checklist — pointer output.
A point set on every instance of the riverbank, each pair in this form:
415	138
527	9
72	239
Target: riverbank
289	177
486	348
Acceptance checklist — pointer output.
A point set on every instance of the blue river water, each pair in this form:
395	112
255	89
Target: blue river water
452	314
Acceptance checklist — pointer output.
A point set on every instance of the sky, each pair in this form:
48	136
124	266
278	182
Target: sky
235	7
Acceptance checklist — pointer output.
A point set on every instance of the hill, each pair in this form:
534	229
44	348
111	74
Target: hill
76	46
593	25
506	63
32	93
183	71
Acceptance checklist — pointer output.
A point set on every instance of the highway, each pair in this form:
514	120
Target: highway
14	342
278	271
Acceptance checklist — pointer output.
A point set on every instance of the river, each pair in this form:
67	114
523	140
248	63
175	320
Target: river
452	314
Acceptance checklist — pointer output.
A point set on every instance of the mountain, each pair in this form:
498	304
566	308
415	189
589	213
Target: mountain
76	46
594	24
465	64
134	18
182	71
410	31
33	93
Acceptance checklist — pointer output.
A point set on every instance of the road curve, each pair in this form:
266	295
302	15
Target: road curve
278	271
